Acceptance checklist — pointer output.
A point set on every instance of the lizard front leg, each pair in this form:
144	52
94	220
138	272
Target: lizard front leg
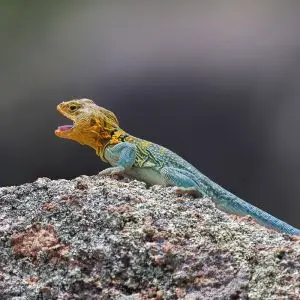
121	157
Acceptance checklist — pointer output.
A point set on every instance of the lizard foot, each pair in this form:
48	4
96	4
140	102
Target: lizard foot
113	172
180	191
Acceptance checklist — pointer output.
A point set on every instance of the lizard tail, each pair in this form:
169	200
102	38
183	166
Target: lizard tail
230	203
235	205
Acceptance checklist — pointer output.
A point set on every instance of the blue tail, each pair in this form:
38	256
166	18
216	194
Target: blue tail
232	204
235	205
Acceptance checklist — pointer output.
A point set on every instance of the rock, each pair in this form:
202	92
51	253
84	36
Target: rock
102	238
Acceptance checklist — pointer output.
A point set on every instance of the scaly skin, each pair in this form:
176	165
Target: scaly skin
99	128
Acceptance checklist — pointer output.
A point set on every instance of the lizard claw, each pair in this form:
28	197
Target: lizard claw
113	172
180	191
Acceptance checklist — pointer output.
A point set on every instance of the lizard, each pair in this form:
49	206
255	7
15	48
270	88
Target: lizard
99	128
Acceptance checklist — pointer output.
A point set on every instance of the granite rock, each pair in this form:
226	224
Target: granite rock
106	238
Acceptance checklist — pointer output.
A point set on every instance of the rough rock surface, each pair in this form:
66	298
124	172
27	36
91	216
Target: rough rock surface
102	238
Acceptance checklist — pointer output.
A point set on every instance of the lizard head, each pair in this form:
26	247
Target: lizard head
92	124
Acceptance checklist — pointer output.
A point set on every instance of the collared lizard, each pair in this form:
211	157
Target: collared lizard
99	128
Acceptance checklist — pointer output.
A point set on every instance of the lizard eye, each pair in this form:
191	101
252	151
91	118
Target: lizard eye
73	107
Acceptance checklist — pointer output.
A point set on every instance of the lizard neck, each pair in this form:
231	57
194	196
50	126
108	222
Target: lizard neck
114	137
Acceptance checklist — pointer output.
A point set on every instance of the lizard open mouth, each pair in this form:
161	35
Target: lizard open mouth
65	127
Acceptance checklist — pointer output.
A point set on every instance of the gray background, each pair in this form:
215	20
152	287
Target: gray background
215	81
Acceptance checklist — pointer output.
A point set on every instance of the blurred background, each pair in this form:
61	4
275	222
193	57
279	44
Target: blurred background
215	81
